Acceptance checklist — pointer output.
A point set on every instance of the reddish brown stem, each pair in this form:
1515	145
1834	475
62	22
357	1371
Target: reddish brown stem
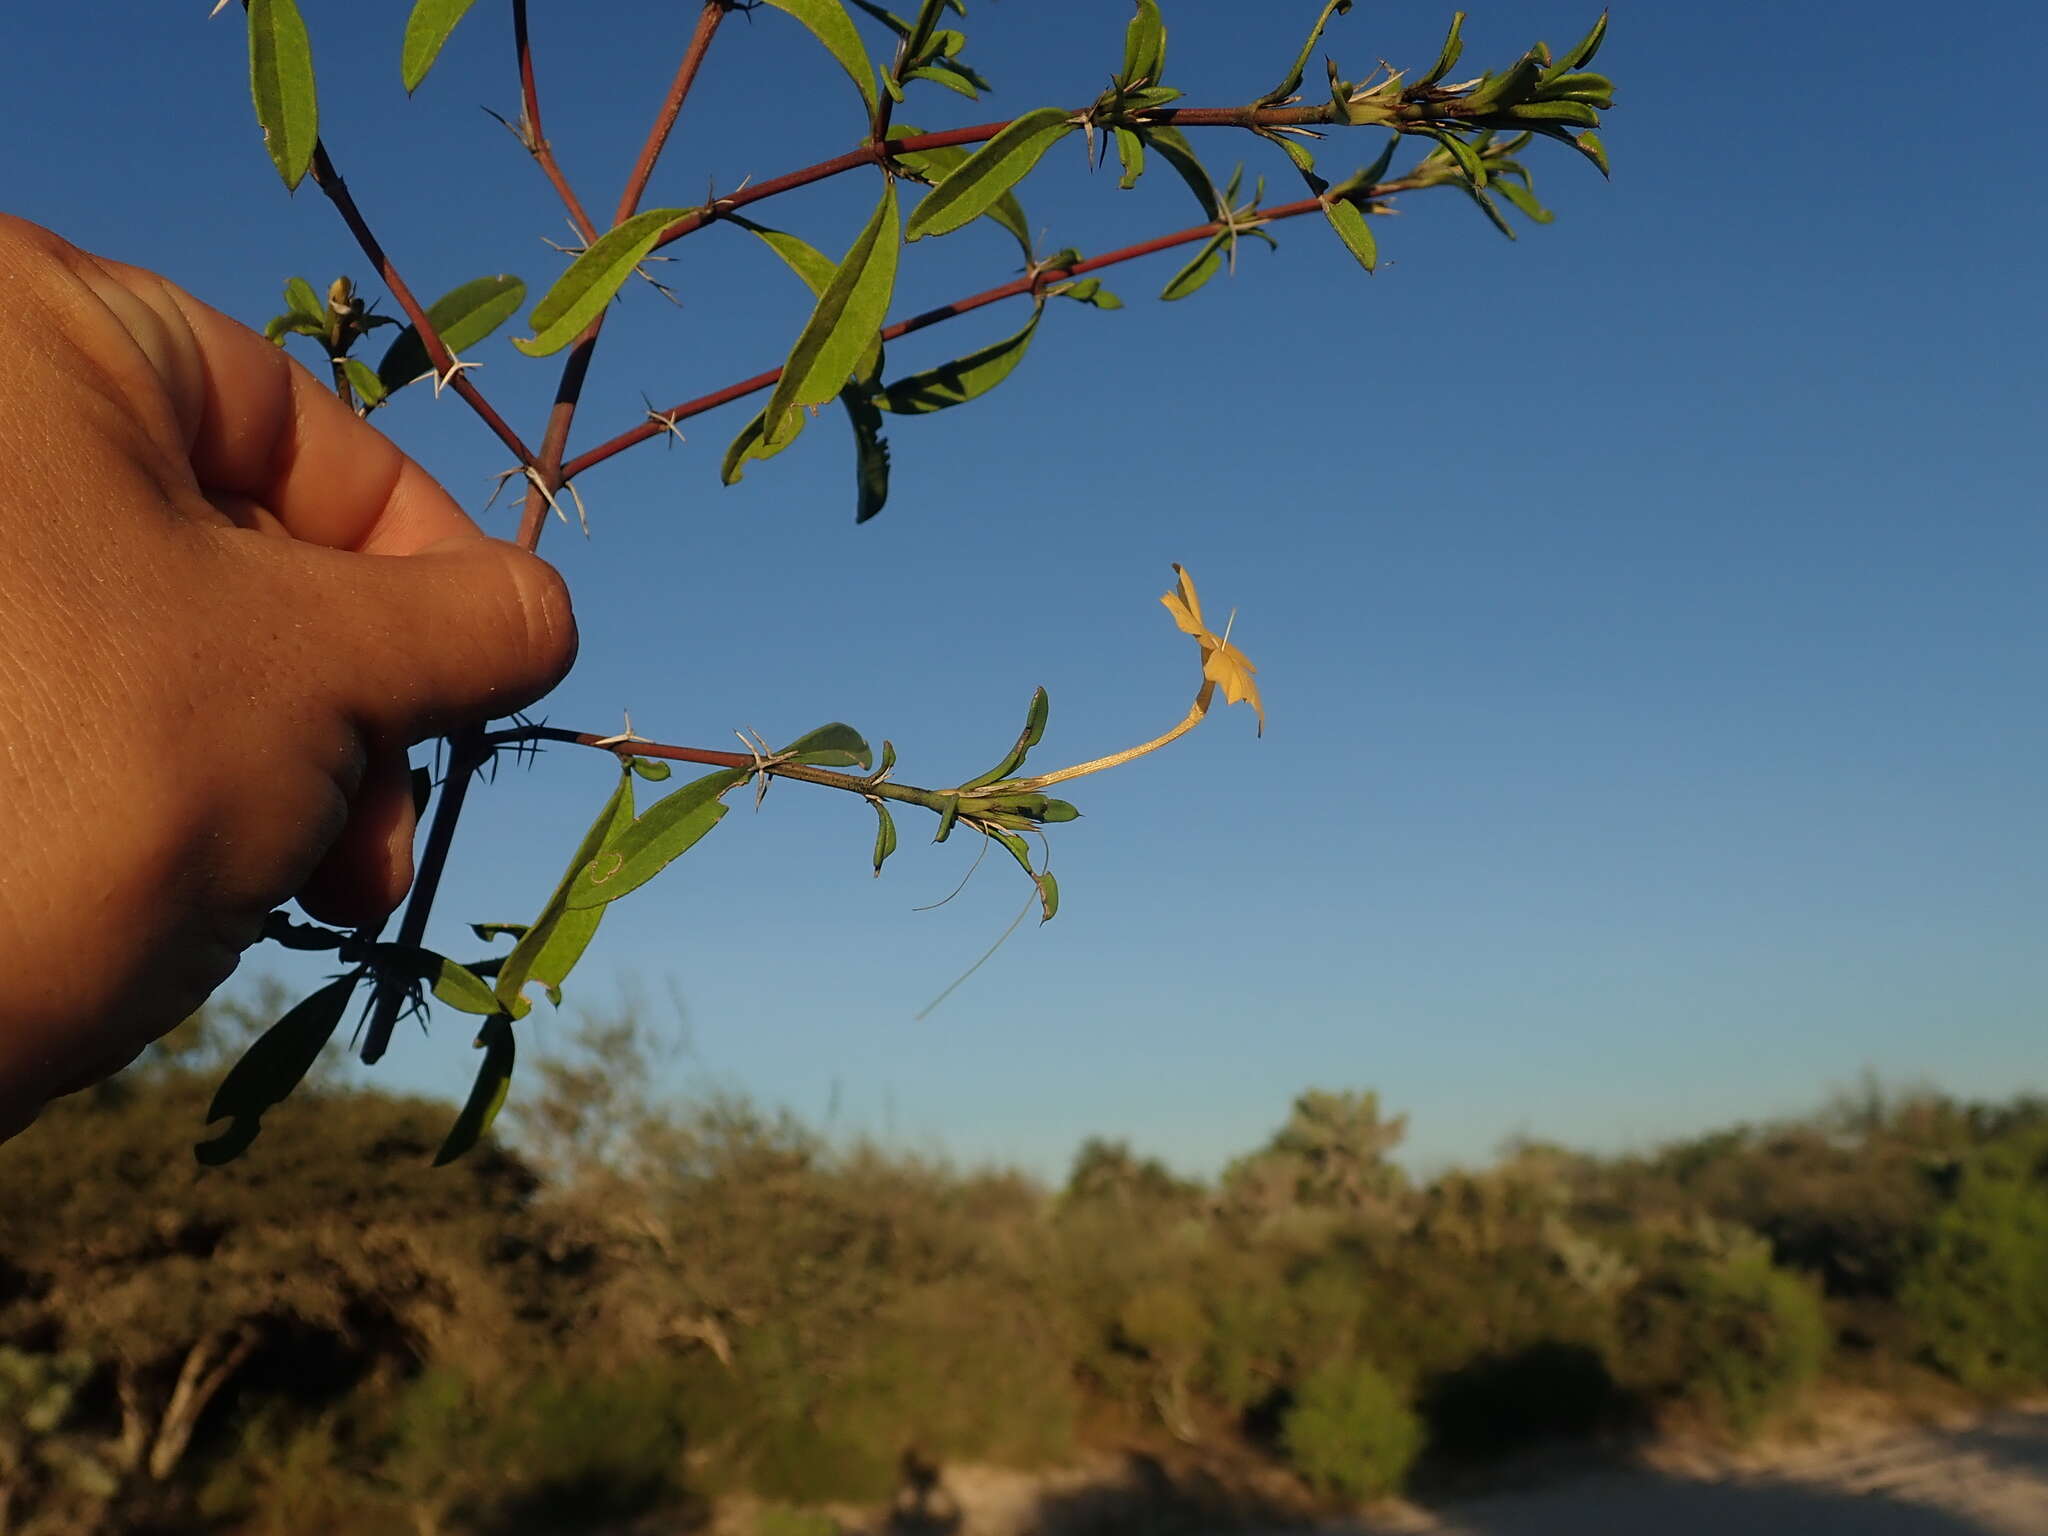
329	181
678	92
1023	285
535	138
547	471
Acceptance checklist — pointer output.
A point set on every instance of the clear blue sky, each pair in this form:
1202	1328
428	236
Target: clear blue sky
1649	612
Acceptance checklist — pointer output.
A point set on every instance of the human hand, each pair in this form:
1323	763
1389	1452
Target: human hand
227	607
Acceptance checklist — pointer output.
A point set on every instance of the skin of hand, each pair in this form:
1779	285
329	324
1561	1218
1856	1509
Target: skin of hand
227	607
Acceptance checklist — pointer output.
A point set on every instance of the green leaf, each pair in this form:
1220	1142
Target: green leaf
1174	148
1352	229
1292	83
871	451
580	294
1197	272
1579	57
668	829
1048	888
489	931
426	29
368	387
885	834
842	328
1454	49
652	769
1088	290
1358	183
817	270
951	76
829	23
275	1063
1034	732
949	813
1492	211
1523	199
752	444
461	317
1130	154
487	1096
1462	154
461	989
963	379
1298	152
1577	113
934	165
803	258
300	299
1589	145
837	745
281	81
972	188
555	941
1048	897
1145	45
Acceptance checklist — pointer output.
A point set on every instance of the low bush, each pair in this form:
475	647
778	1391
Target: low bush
1350	1431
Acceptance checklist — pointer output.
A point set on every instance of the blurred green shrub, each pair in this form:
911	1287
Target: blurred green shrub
1732	1337
1979	1291
1350	1431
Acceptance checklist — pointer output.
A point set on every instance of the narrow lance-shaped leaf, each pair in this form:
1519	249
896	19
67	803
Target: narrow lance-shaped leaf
1523	198
870	452
1454	49
1578	58
1145	45
969	190
668	829
1492	211
275	1063
1349	223
817	271
844	325
1208	261
461	317
1048	888
934	165
961	380
1292	83
829	23
300	299
426	29
1035	717
487	1096
580	294
558	935
281	82
369	388
885	834
1173	146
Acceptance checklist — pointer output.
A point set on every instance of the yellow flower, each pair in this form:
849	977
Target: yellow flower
1223	664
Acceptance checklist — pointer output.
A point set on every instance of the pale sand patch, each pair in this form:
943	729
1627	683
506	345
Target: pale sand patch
1985	1479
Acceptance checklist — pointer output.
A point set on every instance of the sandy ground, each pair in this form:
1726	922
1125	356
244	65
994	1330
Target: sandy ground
1988	1479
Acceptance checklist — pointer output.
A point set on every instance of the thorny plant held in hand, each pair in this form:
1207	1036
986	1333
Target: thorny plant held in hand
1476	127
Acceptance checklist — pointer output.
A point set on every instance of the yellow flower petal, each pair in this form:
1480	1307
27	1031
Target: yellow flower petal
1222	664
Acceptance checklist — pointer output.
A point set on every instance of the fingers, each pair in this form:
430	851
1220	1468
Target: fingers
413	646
367	871
259	426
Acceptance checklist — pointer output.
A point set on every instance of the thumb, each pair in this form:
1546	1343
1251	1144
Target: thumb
420	644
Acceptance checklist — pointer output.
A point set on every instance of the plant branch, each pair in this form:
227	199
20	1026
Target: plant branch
548	475
534	138
467	752
872	151
329	181
686	76
1030	283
